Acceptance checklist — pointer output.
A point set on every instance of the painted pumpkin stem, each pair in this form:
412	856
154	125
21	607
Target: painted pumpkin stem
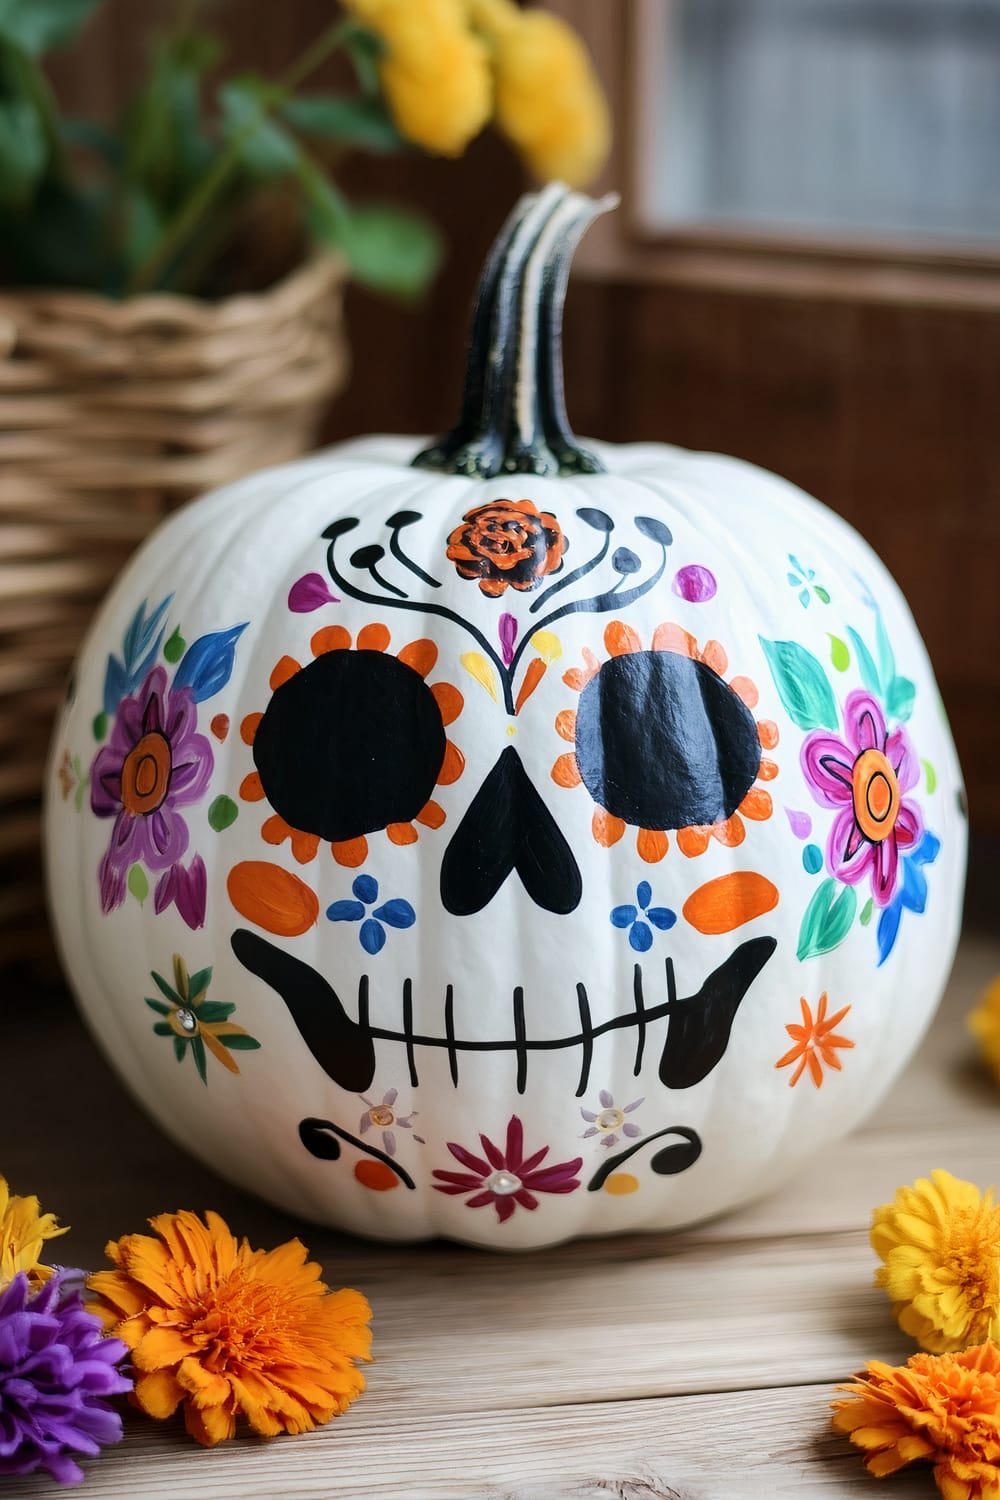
513	418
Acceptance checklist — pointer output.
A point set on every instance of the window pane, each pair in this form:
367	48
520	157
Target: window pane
869	117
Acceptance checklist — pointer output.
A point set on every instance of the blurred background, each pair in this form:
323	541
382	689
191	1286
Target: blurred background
804	272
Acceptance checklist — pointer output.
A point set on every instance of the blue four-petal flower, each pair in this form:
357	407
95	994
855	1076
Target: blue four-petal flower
393	913
638	917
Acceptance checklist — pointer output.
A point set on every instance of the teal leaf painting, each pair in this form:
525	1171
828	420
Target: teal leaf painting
827	919
899	699
802	685
866	662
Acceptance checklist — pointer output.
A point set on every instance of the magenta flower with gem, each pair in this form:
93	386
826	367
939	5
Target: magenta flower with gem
154	763
56	1371
864	777
507	1178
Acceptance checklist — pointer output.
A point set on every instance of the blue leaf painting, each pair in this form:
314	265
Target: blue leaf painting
140	645
207	664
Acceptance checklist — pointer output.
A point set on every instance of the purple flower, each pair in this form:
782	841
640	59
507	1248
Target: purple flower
384	1117
186	889
864	777
154	763
56	1369
610	1119
506	1178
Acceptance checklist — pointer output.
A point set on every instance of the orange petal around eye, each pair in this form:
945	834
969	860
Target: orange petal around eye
431	815
275	830
729	901
767	770
767	733
566	725
578	677
620	638
420	655
252	788
670	637
350	852
373	638
401	833
606	828
272	898
715	657
304	846
730	832
285	668
449	700
566	772
757	804
330	638
249	727
692	841
452	766
745	689
651	845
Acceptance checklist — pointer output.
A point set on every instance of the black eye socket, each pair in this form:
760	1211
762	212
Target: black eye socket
351	743
663	742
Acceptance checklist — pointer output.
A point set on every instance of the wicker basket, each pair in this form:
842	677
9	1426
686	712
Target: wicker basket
111	415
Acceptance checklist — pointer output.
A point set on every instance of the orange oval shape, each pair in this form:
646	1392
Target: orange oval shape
376	1175
272	898
729	901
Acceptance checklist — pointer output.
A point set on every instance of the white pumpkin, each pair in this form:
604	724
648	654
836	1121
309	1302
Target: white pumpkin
567	843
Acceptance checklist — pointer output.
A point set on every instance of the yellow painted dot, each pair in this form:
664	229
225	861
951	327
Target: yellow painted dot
620	1183
511	730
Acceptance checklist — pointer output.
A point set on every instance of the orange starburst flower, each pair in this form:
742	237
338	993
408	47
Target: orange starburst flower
652	843
943	1409
815	1042
222	1329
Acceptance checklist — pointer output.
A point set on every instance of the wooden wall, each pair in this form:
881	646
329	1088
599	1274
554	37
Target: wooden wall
887	412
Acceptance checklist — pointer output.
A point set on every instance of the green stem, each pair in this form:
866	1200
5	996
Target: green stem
215	179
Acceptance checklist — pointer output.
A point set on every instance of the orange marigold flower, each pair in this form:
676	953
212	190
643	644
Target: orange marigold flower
941	1408
221	1329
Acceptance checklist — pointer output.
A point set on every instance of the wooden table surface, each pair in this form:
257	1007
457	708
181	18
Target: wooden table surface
695	1366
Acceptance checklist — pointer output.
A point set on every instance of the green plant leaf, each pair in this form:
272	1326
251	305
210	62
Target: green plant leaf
198	1048
90	135
222	813
822	594
802	685
142	225
930	775
180	1047
138	883
165	989
215	1010
197	985
364	49
362	122
389	249
839	654
24	152
266	149
900	697
175	646
158	1005
238	1043
100	726
827	919
866	663
39	25
866	912
163	1028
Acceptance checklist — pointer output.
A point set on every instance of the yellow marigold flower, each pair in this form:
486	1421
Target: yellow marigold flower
984	1023
943	1409
222	1329
23	1229
549	102
434	73
939	1242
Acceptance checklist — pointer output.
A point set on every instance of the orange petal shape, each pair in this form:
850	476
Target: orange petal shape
420	655
651	844
757	804
249	727
745	689
452	766
606	828
566	772
578	677
670	637
431	815
402	833
715	657
767	733
272	898
252	788
330	638
620	638
220	726
730	832
692	841
375	1175
304	845
767	770
729	902
373	638
566	725
449	700
285	668
350	852
275	830
532	677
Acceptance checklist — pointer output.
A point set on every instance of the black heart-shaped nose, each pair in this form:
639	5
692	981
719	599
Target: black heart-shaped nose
508	827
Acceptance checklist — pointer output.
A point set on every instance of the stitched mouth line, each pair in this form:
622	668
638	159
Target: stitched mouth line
697	1035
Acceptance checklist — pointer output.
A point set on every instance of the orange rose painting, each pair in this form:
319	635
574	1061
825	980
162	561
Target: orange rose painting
507	543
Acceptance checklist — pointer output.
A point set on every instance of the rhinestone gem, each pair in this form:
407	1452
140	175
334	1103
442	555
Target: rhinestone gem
186	1019
381	1115
502	1183
610	1119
